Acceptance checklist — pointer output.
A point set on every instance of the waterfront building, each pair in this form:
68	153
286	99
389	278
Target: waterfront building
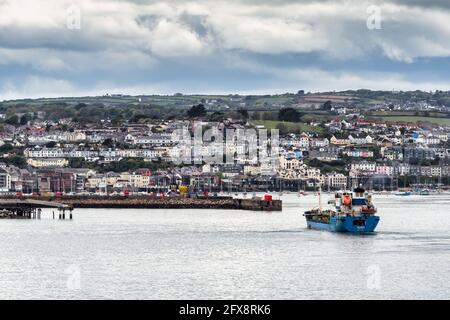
337	181
5	180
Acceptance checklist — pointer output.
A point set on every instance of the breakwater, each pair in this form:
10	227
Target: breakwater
148	202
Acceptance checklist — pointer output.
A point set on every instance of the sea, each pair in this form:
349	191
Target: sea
229	254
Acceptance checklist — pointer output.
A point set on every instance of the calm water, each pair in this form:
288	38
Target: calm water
223	254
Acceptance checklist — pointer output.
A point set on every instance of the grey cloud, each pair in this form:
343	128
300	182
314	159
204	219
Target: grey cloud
444	4
133	36
332	28
148	21
196	23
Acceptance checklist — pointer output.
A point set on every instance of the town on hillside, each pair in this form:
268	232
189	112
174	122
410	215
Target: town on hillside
116	144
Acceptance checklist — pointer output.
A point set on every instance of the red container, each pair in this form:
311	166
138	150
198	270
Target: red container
268	197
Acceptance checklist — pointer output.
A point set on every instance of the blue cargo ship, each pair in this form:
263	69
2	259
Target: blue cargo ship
353	212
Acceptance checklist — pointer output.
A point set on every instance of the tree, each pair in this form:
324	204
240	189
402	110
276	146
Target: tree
196	111
137	117
269	116
24	120
289	114
50	144
256	115
117	120
6	148
17	161
78	163
244	113
327	106
13	120
132	164
217	116
80	106
108	143
283	128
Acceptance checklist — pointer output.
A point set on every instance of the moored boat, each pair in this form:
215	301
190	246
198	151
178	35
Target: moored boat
353	212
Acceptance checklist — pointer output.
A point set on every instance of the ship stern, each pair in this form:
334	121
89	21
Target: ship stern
359	224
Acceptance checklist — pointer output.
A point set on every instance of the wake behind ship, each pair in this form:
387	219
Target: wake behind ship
353	212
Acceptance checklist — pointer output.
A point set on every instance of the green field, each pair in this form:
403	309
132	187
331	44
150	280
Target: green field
291	126
415	119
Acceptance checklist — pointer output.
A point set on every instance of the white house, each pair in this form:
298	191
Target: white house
385	170
318	142
363	167
360	139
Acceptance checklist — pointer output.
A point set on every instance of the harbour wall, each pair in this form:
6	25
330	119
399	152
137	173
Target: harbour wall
147	202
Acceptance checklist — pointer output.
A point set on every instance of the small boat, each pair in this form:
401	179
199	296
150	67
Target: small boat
403	193
424	192
353	213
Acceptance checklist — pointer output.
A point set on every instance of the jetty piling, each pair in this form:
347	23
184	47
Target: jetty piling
28	208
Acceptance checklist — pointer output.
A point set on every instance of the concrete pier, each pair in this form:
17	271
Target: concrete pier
149	202
181	203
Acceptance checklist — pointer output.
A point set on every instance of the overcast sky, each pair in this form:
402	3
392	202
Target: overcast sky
233	46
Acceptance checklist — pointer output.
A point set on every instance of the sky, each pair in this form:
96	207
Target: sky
54	48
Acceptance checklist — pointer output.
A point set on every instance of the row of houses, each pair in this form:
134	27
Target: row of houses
367	168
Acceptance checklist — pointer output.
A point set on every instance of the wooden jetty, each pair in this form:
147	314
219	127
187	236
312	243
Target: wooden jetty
31	208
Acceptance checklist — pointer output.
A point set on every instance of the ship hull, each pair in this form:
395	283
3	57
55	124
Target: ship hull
349	224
